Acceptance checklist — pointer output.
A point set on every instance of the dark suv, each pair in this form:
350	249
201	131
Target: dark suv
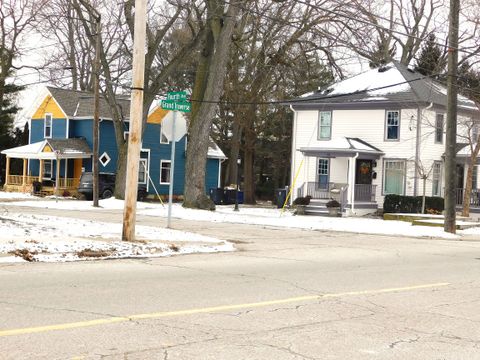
106	186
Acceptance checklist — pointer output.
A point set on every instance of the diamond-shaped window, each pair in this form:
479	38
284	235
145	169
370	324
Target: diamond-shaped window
104	159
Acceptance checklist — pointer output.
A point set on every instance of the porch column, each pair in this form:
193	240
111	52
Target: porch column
7	171
24	177
351	181
57	176
40	171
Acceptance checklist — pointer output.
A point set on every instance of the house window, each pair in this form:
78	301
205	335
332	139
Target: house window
165	166
47	129
475	177
475	133
394	177
47	169
436	178
126	134
163	138
322	173
439	129
392	125
324	125
104	159
142	171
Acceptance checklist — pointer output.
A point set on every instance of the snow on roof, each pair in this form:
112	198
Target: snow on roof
383	77
214	151
343	144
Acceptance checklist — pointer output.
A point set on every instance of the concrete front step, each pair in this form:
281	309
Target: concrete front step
460	225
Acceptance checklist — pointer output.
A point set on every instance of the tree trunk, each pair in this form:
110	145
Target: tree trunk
468	188
121	171
248	167
218	41
424	191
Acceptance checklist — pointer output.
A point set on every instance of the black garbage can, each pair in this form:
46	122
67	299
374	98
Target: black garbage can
216	195
280	197
229	196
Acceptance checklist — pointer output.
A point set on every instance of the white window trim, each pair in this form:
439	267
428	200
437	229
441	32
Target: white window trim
145	167
386	125
163	142
439	178
404	161
436	128
45	126
108	159
51	170
125	135
170	175
320	126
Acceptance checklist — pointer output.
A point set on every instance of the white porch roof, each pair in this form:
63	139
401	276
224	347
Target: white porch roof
343	147
51	149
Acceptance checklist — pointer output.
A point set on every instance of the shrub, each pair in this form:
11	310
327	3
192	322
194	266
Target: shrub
411	204
302	200
332	204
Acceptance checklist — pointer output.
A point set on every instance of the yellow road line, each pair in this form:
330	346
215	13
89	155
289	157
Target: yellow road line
157	315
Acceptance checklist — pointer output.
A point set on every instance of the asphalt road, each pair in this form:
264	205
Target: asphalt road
285	294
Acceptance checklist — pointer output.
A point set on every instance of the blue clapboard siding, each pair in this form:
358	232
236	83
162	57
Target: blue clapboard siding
59	129
107	144
211	174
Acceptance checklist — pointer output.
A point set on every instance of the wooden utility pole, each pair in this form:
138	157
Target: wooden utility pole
135	129
96	109
451	129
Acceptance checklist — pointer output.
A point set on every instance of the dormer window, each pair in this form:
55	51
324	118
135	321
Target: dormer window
47	128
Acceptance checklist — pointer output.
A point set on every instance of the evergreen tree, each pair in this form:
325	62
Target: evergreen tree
431	60
469	81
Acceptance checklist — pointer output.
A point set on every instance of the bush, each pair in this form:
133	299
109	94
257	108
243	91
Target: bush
302	200
412	204
332	204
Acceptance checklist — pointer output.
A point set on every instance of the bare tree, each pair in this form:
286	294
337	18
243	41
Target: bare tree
208	88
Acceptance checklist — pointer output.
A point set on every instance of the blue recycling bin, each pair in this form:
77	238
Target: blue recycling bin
280	197
216	195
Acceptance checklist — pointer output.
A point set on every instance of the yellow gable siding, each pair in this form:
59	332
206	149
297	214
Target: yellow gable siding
157	116
49	106
47	149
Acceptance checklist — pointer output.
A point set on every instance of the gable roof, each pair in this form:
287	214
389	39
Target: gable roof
77	103
74	148
392	85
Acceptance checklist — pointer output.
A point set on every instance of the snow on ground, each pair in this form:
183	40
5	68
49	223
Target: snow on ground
47	238
265	217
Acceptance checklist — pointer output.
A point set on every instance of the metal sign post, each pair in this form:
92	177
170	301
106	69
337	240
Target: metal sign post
176	101
172	170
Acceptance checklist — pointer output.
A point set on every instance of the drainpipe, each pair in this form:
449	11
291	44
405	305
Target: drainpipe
294	144
352	172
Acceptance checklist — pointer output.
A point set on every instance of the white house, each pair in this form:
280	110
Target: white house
376	134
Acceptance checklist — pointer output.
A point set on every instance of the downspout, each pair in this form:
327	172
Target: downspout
292	163
352	193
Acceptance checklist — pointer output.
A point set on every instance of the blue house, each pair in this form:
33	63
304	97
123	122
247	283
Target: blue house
60	144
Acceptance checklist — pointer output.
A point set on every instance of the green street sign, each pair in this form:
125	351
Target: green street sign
177	95
183	106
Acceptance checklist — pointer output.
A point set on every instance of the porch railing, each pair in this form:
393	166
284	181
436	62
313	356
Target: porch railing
365	192
64	183
474	197
317	191
18	179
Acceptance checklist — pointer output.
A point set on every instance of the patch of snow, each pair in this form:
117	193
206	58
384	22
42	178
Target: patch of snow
61	239
373	79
